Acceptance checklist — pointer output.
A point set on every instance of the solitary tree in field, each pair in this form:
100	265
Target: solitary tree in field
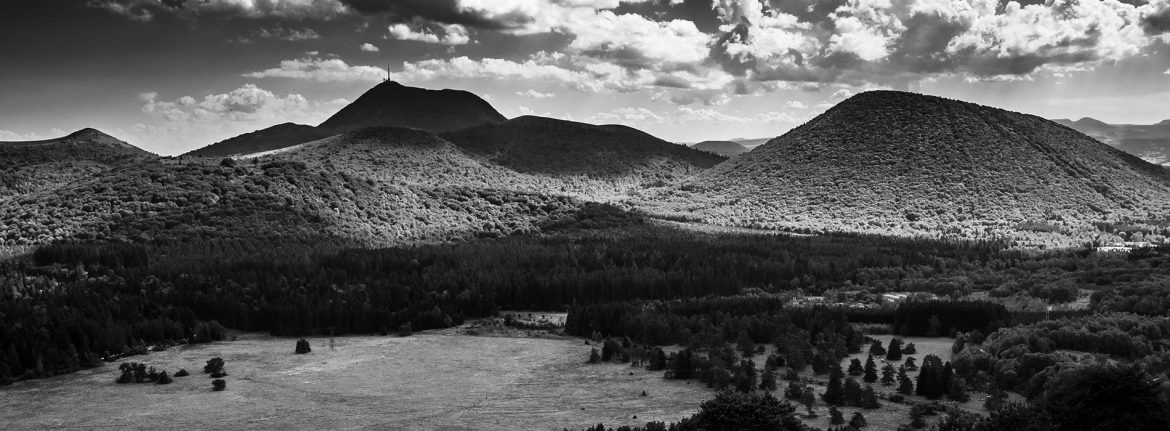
858	421
214	365
218	385
855	368
894	351
870	370
835	416
303	347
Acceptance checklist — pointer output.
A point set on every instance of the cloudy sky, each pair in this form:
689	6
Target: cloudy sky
174	75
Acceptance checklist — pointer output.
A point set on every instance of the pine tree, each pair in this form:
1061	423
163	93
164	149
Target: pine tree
855	368
218	385
888	374
835	392
894	351
852	391
909	349
835	416
303	347
876	349
869	398
858	421
768	380
164	379
657	360
808	398
594	356
905	386
958	390
910	363
870	374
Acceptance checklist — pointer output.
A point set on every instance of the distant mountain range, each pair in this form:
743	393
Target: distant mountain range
1150	142
375	173
894	161
379	174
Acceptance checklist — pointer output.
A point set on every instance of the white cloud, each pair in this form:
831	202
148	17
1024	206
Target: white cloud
843	93
450	34
795	104
321	70
188	122
369	47
677	41
533	94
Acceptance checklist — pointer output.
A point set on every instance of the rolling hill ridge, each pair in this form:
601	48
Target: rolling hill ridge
547	146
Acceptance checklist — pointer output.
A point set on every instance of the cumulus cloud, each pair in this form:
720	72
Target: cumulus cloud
319	69
867	40
533	94
369	47
188	122
444	34
639	39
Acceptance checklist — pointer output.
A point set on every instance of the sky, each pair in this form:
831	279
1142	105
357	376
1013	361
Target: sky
171	76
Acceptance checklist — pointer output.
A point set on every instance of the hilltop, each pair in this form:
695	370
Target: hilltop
895	161
547	146
388	104
722	148
275	137
391	104
27	166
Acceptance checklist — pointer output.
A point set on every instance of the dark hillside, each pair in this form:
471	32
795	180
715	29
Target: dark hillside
556	147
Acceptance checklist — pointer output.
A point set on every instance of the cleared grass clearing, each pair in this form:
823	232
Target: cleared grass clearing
424	382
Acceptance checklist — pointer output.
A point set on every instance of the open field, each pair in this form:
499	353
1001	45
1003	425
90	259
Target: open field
427	381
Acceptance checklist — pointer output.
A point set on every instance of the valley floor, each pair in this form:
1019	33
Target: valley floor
428	381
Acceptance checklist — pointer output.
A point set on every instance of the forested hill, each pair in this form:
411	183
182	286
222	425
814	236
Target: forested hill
391	104
888	160
549	146
32	166
272	138
722	148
